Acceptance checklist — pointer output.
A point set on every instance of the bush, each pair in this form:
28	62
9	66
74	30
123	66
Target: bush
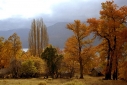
15	68
42	83
40	65
28	69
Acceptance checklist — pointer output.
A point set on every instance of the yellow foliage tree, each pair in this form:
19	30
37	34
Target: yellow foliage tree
76	44
111	23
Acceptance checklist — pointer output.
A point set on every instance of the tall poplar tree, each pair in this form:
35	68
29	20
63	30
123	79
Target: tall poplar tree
38	37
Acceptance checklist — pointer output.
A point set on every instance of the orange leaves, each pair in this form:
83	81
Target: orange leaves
71	46
10	48
75	43
108	8
112	29
78	46
93	23
123	35
123	70
80	29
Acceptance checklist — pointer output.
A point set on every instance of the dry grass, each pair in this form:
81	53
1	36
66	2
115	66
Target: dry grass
39	81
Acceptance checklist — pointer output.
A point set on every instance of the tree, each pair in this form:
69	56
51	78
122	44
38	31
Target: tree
2	57
76	43
111	22
123	60
15	50
16	44
71	59
38	37
53	59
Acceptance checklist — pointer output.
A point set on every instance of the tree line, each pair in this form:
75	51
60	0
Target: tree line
79	54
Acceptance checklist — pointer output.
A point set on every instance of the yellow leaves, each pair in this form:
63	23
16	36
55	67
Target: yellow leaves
71	46
10	48
93	24
38	37
108	8
16	45
123	70
112	29
79	29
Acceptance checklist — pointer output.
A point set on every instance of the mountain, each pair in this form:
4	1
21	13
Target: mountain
58	34
22	33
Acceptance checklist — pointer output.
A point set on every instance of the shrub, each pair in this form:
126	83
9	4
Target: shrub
40	65
28	68
15	68
42	83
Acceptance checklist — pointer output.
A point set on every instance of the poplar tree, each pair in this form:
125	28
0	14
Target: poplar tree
38	37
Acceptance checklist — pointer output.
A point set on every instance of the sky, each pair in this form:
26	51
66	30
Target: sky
19	13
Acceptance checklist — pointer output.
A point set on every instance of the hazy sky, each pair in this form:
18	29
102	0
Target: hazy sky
19	13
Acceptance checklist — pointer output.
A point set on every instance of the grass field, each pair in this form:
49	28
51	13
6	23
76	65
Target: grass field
88	80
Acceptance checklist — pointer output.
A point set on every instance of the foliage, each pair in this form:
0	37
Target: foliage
16	45
108	27
28	68
15	68
77	43
40	65
123	70
42	83
14	50
38	37
9	49
79	54
52	58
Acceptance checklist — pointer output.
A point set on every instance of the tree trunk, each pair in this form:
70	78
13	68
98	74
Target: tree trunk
109	62
115	73
81	68
108	72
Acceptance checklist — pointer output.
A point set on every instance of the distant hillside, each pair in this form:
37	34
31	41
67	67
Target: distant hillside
58	34
23	33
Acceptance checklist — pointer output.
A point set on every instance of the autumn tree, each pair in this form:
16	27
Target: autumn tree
16	44
76	43
2	57
111	22
38	37
123	60
5	52
15	50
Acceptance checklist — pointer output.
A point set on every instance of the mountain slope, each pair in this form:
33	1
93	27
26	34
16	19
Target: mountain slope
58	34
22	33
